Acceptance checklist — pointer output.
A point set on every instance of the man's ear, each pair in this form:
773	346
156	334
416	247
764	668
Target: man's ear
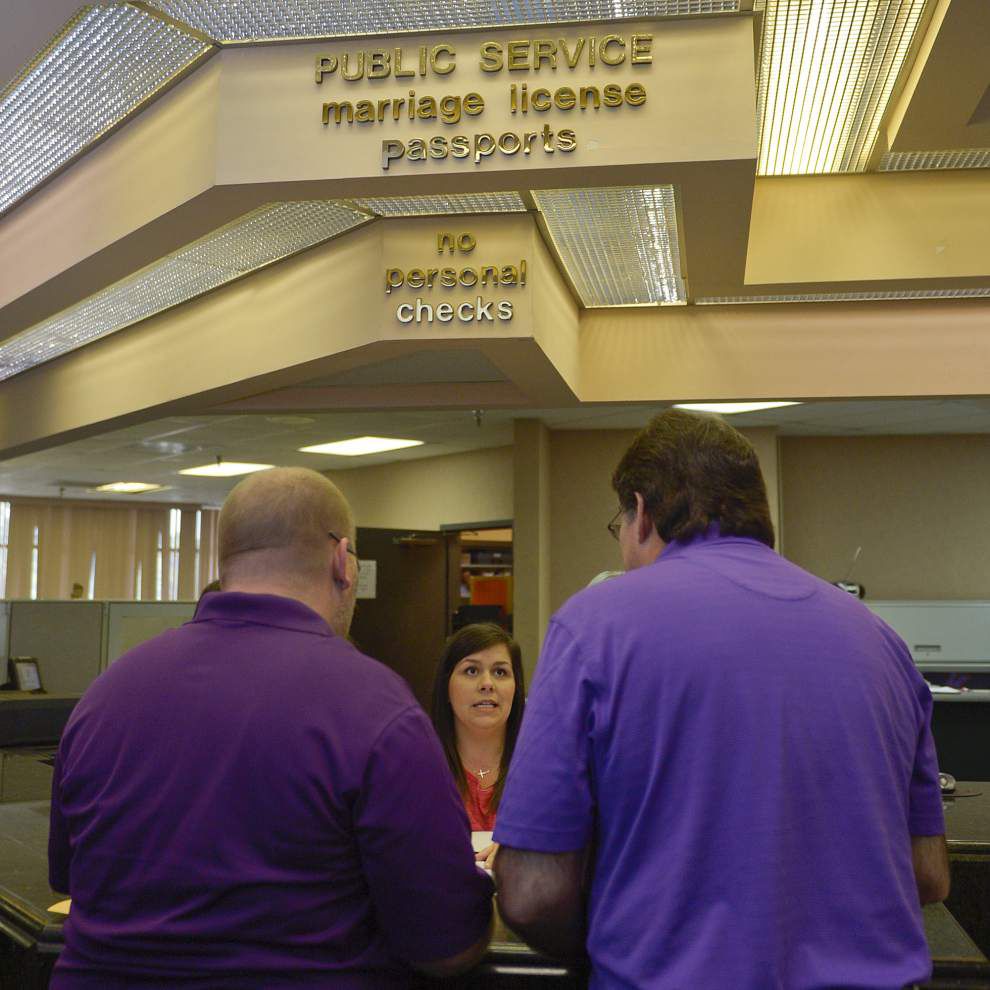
644	524
338	564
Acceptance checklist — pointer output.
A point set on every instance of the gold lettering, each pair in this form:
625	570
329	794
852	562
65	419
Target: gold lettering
436	53
612	39
491	57
641	49
324	66
635	95
518	55
544	51
565	98
379	63
540	99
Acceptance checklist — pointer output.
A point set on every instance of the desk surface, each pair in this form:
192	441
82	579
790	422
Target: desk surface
25	895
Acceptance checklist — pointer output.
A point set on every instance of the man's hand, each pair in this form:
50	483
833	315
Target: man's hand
930	857
486	857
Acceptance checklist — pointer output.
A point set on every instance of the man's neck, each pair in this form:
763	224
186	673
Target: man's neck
321	604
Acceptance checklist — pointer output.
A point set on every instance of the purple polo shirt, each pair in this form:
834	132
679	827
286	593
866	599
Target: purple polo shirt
248	801
748	749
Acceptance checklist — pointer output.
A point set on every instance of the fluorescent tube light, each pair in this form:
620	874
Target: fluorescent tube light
128	487
360	445
828	69
730	408
225	469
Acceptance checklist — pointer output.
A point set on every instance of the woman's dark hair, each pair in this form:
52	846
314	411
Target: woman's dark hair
693	471
473	639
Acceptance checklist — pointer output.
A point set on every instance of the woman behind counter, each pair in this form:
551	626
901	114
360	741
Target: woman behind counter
478	701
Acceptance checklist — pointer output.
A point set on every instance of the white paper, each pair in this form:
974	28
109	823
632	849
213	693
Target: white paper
367	586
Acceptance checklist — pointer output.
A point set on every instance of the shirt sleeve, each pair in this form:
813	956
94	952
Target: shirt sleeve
547	804
432	901
59	851
925	815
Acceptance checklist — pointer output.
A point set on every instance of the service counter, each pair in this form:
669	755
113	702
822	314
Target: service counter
31	936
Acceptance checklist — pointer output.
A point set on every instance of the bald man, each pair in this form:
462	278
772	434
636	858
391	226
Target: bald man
247	801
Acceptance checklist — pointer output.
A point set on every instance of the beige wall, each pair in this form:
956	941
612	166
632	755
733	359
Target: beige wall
917	505
582	502
424	494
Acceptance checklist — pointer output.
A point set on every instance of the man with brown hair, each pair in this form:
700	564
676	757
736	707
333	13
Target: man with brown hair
248	801
738	753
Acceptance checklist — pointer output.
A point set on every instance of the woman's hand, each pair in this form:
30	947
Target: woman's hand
486	857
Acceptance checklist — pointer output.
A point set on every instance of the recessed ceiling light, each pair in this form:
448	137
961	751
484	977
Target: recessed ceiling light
128	487
728	408
360	445
826	77
619	245
225	469
259	20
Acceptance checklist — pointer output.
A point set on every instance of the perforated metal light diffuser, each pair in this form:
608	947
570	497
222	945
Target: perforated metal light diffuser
923	161
822	297
421	206
255	20
259	238
827	71
618	244
104	63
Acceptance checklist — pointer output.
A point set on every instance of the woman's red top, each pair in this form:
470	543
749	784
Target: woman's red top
478	804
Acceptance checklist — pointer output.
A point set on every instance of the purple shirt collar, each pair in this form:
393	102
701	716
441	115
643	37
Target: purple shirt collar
262	610
712	535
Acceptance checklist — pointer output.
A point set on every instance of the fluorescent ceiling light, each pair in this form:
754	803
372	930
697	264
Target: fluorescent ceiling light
923	161
104	63
823	297
255	20
360	445
827	71
618	244
128	487
730	408
225	469
261	237
420	206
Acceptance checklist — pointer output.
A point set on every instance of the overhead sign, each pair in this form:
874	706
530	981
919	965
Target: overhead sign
586	60
456	274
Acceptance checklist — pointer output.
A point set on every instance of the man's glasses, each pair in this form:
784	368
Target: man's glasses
350	550
615	525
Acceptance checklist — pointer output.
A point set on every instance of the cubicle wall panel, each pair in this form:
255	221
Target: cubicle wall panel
131	623
66	637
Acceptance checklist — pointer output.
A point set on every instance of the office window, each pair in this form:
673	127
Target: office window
4	543
137	582
35	557
199	544
91	589
174	542
159	554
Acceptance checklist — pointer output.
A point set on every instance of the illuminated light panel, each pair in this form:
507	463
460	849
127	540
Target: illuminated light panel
265	235
618	245
922	161
419	206
251	20
128	487
104	63
827	71
731	408
225	469
360	445
823	297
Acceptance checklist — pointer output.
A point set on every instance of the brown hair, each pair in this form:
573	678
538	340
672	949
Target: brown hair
473	639
693	471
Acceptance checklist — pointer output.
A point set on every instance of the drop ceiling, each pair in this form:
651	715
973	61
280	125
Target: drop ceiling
156	451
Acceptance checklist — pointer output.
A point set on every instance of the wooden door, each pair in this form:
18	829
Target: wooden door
405	624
